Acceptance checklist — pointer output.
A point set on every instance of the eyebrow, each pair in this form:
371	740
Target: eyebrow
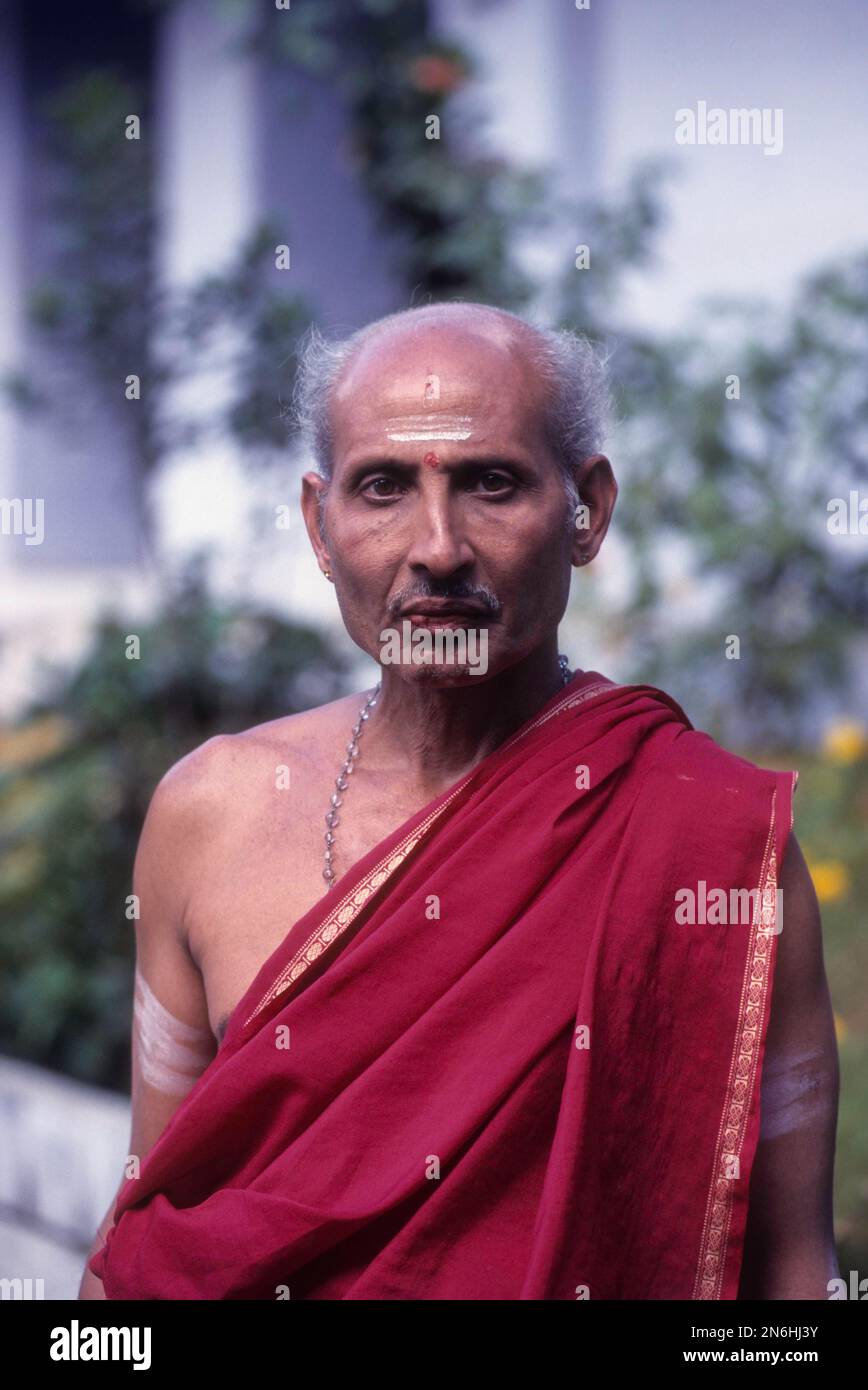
357	471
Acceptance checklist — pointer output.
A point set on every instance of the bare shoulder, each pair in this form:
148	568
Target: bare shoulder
223	764
309	735
215	807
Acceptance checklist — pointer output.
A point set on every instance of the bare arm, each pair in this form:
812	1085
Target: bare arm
160	880
789	1243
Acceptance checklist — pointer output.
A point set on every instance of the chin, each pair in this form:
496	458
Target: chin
443	676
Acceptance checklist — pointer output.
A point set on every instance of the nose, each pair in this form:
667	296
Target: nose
439	542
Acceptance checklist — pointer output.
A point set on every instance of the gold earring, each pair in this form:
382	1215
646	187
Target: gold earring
328	575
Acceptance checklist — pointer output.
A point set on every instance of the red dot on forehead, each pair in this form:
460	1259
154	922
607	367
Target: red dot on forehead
431	460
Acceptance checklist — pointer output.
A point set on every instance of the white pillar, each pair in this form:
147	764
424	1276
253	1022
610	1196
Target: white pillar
11	308
205	138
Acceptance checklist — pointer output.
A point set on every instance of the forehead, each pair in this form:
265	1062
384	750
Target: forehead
481	380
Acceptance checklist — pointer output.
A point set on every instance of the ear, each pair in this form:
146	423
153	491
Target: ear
598	492
313	491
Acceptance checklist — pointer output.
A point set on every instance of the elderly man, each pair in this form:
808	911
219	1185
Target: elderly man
499	1024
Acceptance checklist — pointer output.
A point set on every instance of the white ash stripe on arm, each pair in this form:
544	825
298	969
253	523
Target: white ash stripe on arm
170	1054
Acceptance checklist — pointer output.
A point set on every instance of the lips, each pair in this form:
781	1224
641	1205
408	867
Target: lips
438	620
443	608
430	615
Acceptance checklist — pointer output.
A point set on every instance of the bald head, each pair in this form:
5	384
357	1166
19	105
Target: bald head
558	374
482	323
443	437
450	373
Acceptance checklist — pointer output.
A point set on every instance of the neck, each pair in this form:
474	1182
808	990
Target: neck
432	736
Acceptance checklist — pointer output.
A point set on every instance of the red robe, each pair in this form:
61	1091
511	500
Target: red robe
513	1071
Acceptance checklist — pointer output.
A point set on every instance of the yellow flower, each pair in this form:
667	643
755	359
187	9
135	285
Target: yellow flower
846	741
841	1029
831	879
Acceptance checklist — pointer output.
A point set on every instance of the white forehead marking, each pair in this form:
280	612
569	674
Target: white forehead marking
170	1054
410	436
412	428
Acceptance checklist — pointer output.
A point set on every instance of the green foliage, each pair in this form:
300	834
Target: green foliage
832	810
102	307
99	209
455	207
741	484
264	325
74	788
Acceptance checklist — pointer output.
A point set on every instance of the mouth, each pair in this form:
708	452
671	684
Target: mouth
442	613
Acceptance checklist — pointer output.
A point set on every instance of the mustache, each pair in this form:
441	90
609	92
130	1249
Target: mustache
457	589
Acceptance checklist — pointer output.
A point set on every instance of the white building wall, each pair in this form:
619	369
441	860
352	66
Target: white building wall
742	222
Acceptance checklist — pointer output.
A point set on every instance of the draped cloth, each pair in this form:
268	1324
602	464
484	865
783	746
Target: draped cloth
492	1063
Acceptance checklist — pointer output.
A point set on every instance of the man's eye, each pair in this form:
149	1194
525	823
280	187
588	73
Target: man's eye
383	487
495	482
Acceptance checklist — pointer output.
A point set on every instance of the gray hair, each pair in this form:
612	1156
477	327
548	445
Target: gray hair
579	405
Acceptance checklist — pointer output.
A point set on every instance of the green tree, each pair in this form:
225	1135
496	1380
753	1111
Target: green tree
76	776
